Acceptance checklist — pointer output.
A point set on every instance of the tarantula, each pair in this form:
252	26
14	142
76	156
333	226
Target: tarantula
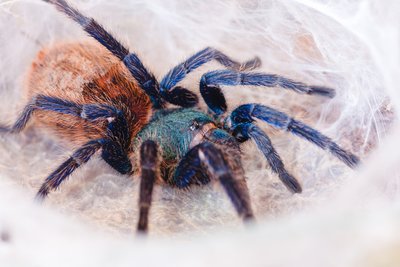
118	107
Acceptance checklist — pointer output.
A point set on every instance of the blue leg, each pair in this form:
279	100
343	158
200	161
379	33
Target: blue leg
146	80
212	81
245	131
21	122
90	112
117	124
247	113
149	165
178	73
115	149
206	158
78	158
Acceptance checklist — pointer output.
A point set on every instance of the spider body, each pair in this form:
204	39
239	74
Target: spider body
103	99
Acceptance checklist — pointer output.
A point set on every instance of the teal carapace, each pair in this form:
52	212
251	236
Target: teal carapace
173	130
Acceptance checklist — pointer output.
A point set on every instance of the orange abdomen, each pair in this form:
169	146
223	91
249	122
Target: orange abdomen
85	73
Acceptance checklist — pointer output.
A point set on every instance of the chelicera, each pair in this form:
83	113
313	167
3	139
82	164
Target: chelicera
116	107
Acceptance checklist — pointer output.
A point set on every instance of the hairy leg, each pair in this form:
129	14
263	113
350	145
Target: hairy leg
146	80
245	131
117	125
149	165
90	112
181	96
119	161
22	120
78	158
211	82
114	148
249	112
207	158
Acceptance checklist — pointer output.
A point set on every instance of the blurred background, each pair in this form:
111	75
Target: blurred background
343	217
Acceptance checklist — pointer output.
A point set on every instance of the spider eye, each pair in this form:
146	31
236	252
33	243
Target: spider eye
195	125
